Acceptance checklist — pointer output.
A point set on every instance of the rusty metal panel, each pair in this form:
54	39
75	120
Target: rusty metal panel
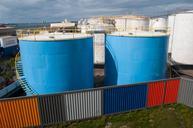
52	109
19	113
171	91
186	92
83	105
155	94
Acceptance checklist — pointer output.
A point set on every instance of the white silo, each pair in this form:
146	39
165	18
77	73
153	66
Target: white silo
171	23
182	42
159	24
130	23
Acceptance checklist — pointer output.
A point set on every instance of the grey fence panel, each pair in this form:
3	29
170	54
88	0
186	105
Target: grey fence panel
52	109
185	95
83	105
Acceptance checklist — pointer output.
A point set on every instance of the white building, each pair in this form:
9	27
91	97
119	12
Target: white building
64	24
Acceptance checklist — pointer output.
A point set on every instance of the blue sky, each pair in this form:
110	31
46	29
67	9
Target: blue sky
57	10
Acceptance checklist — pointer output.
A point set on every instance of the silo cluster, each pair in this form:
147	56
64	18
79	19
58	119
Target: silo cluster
65	61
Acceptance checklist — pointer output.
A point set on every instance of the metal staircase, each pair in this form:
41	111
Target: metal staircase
19	68
21	78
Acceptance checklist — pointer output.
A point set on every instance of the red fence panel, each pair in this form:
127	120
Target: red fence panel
171	91
155	95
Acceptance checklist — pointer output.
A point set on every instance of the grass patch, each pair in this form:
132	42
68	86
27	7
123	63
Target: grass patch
167	116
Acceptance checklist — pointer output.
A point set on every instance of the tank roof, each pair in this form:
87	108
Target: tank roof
56	37
140	34
132	17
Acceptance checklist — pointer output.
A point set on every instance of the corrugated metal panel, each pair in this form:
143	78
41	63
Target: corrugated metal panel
186	92
155	94
82	105
52	109
171	91
19	113
122	99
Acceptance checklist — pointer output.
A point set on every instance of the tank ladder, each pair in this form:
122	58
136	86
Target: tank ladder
21	78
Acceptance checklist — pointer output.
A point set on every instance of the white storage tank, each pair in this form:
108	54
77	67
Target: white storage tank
171	23
158	24
182	42
129	23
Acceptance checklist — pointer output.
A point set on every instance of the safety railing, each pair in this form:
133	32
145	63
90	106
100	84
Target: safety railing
88	29
43	110
20	76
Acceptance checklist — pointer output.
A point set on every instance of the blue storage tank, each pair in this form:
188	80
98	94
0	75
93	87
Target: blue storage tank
57	63
135	57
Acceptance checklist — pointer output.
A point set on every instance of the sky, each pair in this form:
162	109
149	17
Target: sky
28	11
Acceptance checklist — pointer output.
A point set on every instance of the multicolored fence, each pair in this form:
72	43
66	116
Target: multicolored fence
44	110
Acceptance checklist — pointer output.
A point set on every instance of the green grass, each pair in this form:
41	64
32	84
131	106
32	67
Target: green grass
167	116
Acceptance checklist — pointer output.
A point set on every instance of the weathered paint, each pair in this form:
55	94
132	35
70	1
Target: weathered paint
19	113
155	94
83	105
123	99
171	91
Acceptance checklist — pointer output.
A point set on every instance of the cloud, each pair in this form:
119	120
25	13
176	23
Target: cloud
57	10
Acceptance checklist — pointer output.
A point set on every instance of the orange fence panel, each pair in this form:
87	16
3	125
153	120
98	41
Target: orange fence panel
19	113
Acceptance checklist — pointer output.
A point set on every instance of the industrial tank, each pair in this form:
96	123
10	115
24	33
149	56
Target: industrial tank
57	63
182	42
130	23
159	24
135	57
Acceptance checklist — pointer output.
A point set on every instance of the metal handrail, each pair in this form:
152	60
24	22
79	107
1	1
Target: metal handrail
35	31
19	78
16	60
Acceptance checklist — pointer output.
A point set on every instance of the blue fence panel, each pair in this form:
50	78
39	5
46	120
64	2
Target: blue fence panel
122	99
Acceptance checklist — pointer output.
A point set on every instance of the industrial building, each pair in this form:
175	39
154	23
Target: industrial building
8	41
134	52
144	62
64	24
